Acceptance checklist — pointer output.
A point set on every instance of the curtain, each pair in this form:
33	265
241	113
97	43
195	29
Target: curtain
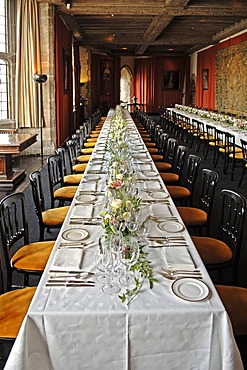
28	109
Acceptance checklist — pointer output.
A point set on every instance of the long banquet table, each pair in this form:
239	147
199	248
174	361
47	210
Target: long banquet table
237	132
80	327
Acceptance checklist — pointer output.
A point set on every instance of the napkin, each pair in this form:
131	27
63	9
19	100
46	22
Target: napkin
88	186
146	167
82	211
68	259
178	258
152	185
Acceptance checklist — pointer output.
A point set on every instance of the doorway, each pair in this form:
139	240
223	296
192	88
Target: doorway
126	85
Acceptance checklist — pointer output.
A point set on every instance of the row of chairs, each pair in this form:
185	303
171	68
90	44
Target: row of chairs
217	253
196	133
18	253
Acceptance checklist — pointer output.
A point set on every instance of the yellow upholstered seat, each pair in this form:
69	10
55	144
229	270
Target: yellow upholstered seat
54	217
79	167
33	256
87	150
65	193
83	158
73	179
89	144
150	144
211	250
157	157
13	308
235	301
94	136
92	139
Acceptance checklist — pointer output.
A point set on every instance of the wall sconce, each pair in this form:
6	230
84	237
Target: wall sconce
68	4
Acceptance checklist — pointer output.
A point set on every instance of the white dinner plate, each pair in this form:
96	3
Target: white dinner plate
146	160
170	226
190	289
85	198
74	234
158	195
149	173
92	177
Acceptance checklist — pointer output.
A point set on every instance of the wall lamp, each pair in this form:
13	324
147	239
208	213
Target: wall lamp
68	4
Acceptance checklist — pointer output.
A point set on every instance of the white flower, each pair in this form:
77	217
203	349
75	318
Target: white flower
116	203
119	176
126	216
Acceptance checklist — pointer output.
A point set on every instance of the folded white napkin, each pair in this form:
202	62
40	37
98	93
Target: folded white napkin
152	185
145	167
95	167
82	211
68	259
178	258
88	186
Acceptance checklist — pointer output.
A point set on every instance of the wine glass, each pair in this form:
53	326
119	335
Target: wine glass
133	223
112	258
101	259
129	256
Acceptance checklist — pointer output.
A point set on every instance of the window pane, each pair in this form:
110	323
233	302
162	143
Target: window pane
3	90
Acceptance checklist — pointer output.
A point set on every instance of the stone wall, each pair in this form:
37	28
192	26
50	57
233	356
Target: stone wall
231	79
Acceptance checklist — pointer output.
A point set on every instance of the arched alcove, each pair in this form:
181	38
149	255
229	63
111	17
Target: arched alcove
126	85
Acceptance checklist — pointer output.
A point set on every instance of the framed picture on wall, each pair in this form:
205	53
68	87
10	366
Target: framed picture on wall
66	71
171	80
205	79
107	77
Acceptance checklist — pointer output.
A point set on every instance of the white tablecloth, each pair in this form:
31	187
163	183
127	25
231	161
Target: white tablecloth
83	328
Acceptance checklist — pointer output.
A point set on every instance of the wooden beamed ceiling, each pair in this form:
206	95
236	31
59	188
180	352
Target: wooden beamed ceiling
151	27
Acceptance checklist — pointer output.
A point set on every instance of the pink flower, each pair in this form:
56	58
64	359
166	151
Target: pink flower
116	184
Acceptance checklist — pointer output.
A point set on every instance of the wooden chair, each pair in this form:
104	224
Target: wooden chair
167	164
18	253
58	192
210	140
47	218
244	160
184	194
235	301
162	145
175	176
13	308
69	179
76	161
224	252
198	218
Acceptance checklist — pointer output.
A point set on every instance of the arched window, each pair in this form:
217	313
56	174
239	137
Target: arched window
126	85
3	90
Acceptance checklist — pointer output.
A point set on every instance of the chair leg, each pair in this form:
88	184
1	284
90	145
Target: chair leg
26	280
241	179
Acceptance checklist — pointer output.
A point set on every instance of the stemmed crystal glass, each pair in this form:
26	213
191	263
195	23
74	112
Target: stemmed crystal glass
129	256
101	259
112	259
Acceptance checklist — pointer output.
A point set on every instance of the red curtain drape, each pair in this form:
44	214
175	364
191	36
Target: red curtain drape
149	74
206	65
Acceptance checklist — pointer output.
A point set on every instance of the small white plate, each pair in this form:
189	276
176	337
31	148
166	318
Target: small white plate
145	160
158	195
75	234
149	173
170	226
92	177
85	198
190	289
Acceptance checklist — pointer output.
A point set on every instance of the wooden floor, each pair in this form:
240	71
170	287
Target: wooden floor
29	163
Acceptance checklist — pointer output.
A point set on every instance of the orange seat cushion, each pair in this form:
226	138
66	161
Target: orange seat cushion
178	192
169	177
153	150
72	179
94	135
14	306
157	157
92	140
235	301
66	192
33	256
80	167
211	250
192	216
89	144
150	144
163	166
54	217
84	158
146	139
87	150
